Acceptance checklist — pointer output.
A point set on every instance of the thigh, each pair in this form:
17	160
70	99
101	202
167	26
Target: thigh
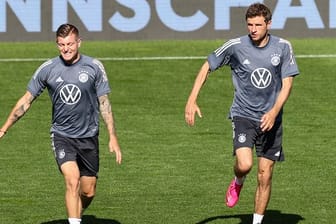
244	158
70	171
244	133
63	149
269	144
88	156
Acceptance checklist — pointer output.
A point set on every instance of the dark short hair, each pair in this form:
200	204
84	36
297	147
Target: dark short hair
258	9
65	30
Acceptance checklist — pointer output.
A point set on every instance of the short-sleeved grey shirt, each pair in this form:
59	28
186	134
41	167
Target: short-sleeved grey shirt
74	91
257	73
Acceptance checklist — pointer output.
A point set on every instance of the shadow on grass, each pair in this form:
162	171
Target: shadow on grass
271	217
87	219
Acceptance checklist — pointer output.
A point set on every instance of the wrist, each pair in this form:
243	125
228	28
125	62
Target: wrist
5	132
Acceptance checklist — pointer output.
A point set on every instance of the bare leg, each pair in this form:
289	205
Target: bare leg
263	192
87	190
244	162
72	200
242	167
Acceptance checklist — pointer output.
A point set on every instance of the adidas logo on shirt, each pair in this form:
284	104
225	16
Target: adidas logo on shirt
246	62
59	79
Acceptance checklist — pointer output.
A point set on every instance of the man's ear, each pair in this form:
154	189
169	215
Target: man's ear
269	23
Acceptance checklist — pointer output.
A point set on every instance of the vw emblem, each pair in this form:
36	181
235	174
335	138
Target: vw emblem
261	78
70	94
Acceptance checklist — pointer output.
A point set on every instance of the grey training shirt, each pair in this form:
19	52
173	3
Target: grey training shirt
74	91
257	73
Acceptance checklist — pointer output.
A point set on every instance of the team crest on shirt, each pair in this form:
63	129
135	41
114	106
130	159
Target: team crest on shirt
275	60
83	76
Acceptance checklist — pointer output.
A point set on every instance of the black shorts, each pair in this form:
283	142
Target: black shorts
247	133
84	151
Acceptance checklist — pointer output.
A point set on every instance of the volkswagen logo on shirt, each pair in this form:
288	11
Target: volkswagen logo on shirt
261	78
70	94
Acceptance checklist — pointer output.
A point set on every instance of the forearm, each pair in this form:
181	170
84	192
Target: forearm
199	82
19	110
106	112
283	95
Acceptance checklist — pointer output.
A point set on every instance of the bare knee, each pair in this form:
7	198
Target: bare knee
265	172
244	161
88	192
243	167
88	187
71	176
72	185
264	177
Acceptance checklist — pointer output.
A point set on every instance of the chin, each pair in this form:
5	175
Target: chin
69	59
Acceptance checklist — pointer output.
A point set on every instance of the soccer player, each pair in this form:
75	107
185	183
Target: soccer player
78	88
263	67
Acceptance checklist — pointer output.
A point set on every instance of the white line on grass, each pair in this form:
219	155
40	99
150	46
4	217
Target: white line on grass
155	58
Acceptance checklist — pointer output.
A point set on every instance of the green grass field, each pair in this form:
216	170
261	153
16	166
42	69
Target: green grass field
170	173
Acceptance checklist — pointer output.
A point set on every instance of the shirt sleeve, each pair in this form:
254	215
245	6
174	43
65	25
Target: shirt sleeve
289	66
102	83
38	82
222	55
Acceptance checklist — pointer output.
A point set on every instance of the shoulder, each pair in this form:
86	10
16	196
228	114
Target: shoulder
91	61
51	62
94	63
234	41
239	42
281	41
47	65
228	45
88	59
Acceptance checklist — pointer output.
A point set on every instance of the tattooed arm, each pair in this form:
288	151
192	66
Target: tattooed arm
21	107
106	112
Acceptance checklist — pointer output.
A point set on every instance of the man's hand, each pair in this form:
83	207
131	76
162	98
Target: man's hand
115	148
2	133
190	110
268	120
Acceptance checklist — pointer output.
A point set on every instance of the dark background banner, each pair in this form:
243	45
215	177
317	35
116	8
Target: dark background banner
37	20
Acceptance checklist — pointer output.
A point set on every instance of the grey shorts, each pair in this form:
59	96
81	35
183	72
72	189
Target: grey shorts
247	133
84	151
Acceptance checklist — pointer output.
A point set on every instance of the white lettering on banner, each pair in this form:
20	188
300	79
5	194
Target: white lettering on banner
307	10
179	23
90	12
142	15
27	12
222	12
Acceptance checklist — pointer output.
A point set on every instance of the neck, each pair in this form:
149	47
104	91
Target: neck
263	41
72	60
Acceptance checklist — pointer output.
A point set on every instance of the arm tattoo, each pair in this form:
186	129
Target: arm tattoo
106	112
22	107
